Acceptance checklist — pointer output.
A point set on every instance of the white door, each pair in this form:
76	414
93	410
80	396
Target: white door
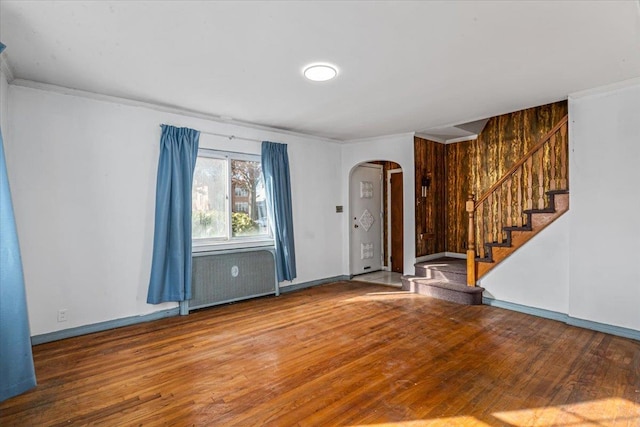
366	218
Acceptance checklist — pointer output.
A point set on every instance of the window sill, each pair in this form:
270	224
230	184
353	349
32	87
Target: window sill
225	246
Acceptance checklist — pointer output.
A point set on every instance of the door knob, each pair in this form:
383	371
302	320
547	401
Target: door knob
355	226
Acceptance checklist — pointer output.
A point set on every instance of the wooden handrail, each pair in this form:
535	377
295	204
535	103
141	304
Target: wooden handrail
520	162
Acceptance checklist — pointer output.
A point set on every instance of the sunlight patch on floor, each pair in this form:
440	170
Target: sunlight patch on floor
439	422
388	278
382	296
605	412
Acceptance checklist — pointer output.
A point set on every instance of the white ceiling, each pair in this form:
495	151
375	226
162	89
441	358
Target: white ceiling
404	66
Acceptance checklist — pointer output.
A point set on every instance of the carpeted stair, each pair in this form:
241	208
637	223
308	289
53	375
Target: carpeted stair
443	278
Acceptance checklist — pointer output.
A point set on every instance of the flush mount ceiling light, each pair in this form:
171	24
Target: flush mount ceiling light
320	72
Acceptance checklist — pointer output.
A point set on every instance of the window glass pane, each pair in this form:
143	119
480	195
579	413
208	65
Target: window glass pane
249	216
209	212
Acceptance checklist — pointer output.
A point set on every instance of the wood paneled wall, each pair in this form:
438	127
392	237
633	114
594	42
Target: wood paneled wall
430	210
473	166
457	168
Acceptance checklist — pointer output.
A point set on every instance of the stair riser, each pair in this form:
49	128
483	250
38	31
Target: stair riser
442	294
407	285
535	223
449	276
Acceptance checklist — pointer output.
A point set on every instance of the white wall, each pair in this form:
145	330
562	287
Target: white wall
83	175
585	263
395	148
604	283
537	274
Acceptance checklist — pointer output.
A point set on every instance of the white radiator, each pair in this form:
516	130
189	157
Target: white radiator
225	276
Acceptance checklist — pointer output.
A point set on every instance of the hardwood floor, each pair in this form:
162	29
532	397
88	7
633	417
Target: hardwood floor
348	353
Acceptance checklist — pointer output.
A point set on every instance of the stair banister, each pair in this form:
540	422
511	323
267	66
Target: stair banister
520	162
475	208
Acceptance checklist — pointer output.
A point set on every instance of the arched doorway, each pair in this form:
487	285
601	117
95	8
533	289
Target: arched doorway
376	217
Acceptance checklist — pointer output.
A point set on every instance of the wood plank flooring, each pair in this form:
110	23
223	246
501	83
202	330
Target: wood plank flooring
348	354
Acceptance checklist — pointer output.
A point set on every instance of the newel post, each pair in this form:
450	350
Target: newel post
471	245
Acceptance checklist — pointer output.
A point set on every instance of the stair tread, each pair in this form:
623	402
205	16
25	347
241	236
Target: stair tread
545	210
499	245
440	260
448	264
556	207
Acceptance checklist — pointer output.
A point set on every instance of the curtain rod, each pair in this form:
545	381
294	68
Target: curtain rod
230	137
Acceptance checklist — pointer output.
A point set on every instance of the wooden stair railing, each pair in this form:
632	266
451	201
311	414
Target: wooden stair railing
523	190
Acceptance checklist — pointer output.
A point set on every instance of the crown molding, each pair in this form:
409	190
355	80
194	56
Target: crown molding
447	141
462	139
430	137
601	90
162	108
379	138
5	68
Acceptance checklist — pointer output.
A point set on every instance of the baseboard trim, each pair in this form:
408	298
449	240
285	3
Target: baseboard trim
603	327
431	257
127	321
565	318
312	283
455	255
539	312
102	326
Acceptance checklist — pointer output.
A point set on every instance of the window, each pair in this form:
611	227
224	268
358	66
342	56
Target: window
228	198
241	207
240	192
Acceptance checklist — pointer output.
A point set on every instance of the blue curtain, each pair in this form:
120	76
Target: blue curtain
171	264
275	169
17	373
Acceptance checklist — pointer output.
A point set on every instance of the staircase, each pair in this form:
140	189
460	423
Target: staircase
532	194
443	278
516	236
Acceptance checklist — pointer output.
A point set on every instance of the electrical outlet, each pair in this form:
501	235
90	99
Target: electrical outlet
62	315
